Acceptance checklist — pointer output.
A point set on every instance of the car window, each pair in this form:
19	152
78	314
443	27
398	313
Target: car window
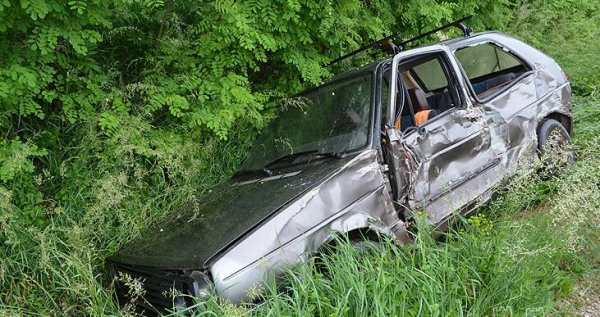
428	91
489	67
431	75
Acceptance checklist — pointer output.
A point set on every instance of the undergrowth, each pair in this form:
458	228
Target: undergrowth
95	189
523	254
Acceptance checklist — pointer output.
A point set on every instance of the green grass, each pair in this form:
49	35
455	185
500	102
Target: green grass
530	251
109	190
481	270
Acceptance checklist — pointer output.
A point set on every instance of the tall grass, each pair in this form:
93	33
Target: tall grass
110	189
522	254
475	272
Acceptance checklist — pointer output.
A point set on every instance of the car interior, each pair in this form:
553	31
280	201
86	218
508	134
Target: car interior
429	89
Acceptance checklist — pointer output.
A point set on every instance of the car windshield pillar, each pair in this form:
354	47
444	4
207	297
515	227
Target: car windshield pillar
391	109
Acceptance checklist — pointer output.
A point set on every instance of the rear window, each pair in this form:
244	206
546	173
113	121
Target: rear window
484	59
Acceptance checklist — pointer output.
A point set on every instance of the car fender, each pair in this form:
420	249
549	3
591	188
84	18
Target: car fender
362	223
374	211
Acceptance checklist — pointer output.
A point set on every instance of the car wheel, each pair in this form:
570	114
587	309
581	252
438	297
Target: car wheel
362	246
554	147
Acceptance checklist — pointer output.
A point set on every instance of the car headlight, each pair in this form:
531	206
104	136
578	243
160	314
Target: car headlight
202	285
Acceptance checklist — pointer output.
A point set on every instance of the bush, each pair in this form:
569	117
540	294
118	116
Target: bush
114	113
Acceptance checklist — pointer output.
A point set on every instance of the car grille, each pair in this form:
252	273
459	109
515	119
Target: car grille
157	285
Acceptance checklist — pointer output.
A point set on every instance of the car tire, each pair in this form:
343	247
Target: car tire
366	246
362	246
554	147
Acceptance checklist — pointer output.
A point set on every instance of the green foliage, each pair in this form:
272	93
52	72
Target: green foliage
17	172
15	159
114	113
554	26
204	66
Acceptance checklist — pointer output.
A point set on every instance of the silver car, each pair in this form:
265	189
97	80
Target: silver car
436	129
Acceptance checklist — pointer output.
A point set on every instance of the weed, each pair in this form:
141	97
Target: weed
64	210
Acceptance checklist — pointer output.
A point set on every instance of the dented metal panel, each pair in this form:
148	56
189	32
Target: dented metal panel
474	147
300	230
453	150
219	219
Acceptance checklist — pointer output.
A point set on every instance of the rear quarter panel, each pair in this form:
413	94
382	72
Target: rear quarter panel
516	112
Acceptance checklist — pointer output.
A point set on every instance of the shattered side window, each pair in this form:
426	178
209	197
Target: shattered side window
489	67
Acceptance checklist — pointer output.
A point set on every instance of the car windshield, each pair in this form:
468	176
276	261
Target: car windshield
333	118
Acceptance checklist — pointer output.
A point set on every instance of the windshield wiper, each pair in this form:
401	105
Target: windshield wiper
289	157
266	169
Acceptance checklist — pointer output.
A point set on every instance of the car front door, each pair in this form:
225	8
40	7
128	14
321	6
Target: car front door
451	150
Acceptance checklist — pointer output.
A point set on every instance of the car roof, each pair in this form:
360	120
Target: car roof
451	44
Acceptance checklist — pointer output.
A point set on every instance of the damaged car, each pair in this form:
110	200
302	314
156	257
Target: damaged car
435	128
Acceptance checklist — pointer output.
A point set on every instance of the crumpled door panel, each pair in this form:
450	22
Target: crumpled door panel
452	150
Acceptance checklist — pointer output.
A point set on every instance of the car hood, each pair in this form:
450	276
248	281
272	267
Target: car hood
190	237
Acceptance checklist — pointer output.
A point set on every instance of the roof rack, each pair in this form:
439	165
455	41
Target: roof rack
379	43
387	44
458	23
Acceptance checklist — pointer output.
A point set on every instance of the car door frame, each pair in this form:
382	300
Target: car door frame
433	202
